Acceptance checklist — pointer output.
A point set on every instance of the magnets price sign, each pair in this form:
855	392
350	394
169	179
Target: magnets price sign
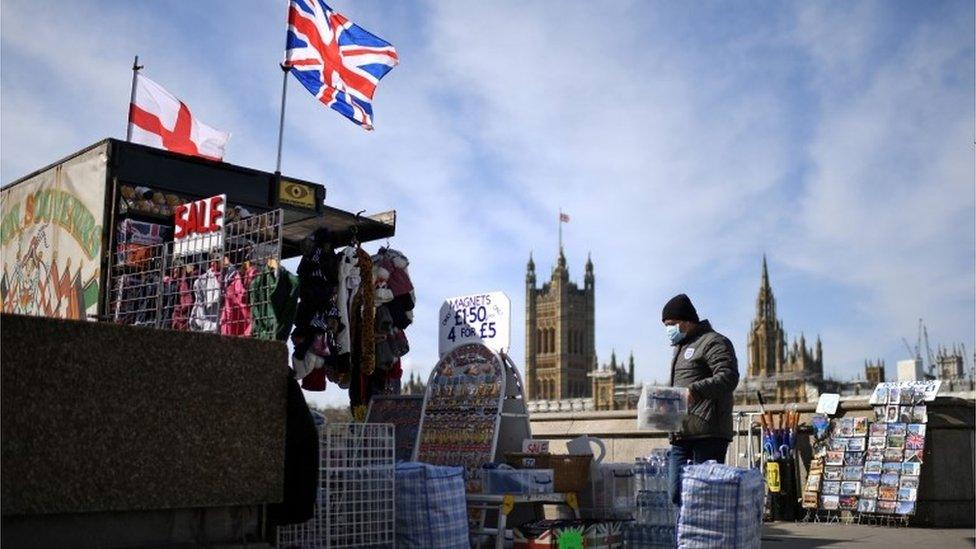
479	318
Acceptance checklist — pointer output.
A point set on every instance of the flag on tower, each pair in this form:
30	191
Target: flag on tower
158	119
336	60
563	218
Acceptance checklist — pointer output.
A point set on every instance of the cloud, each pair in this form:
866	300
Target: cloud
683	143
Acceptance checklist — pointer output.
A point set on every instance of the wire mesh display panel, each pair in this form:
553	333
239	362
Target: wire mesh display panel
356	490
217	283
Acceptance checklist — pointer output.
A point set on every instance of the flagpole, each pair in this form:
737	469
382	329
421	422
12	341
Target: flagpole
281	120
560	229
132	98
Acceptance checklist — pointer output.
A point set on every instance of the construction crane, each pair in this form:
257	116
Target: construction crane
911	353
928	349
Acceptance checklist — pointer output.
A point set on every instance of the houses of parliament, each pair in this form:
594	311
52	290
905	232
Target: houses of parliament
561	362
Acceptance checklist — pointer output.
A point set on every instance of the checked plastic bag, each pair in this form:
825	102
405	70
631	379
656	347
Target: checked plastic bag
662	408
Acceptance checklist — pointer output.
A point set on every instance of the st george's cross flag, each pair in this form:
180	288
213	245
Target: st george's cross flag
337	61
158	119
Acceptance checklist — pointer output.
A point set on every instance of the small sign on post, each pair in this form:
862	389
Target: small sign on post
199	225
479	318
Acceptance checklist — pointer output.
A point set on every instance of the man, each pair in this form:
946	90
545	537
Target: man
704	362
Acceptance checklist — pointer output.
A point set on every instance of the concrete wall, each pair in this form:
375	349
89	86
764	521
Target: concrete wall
946	494
107	428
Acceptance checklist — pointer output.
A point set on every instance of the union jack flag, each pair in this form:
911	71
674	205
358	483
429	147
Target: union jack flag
336	60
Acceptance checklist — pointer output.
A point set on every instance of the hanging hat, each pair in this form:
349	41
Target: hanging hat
679	307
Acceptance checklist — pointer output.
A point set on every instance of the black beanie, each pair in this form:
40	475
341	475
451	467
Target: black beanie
679	307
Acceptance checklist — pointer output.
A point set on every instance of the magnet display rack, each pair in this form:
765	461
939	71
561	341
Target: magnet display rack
474	412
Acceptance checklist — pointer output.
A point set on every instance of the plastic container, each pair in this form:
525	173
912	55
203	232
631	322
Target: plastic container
517	481
662	408
611	492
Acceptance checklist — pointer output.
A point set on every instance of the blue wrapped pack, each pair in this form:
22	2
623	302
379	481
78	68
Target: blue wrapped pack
431	509
721	506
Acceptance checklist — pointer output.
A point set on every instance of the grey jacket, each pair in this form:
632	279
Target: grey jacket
704	361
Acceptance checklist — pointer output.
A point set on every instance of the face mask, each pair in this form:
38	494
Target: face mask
674	334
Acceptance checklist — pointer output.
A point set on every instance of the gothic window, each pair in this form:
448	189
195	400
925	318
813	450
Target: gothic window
552	340
538	340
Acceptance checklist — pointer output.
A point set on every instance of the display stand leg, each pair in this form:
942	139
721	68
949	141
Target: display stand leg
502	521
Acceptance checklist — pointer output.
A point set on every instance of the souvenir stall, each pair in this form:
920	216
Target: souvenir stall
868	471
198	246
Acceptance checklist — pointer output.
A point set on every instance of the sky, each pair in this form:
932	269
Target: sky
685	140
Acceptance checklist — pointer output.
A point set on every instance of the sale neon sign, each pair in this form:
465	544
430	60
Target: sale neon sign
199	225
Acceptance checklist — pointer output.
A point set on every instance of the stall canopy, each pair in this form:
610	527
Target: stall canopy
302	202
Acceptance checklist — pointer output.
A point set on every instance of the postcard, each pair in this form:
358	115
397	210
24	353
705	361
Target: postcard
880	412
878	429
909	395
888	493
830	487
905	414
905	508
896	441
914	442
860	426
830	503
894	395
904	494
847	427
810	500
893	454
891	468
870	492
871	479
852	473
877	443
909	482
813	483
833	473
816	466
874	455
920	414
879	396
889	480
897	429
891	413
911	468
915	429
872	467
867	505
848	503
853	458
856	444
850	488
838	444
834	458
887	507
914	455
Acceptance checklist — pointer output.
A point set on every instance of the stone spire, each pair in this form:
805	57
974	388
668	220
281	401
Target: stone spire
630	368
530	271
588	277
765	302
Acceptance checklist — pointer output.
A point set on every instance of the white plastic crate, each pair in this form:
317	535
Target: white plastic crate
517	481
355	505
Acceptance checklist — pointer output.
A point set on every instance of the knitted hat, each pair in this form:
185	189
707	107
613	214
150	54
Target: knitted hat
679	307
